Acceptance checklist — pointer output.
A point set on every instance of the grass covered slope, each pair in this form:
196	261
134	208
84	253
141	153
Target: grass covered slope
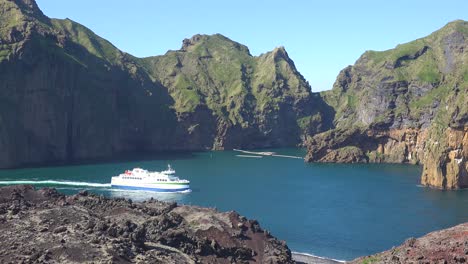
408	104
403	83
248	101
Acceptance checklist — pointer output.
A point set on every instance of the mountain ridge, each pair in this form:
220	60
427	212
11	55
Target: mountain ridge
404	105
81	98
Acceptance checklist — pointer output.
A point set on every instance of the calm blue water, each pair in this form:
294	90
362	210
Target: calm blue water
336	211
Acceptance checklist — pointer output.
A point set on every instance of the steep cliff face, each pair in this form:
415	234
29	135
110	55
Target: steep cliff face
233	98
66	94
406	105
445	163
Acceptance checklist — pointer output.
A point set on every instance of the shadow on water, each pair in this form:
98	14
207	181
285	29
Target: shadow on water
122	158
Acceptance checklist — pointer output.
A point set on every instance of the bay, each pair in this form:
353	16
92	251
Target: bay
340	211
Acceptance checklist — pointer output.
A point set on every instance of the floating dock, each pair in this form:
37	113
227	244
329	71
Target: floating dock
264	153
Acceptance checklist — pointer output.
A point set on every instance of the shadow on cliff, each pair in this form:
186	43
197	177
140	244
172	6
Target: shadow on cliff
326	112
70	105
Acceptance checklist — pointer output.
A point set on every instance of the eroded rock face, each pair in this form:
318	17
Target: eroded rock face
372	145
45	226
444	246
405	105
445	164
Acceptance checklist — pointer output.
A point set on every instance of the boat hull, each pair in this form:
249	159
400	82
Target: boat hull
180	188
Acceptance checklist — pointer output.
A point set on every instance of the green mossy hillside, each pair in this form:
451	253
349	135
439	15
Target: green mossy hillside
406	82
221	74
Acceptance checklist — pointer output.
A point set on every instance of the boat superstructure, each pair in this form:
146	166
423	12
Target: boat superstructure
141	179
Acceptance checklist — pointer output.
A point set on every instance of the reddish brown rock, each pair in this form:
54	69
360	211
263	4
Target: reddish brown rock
45	226
444	246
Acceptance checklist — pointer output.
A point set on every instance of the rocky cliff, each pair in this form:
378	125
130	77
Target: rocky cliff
405	105
44	226
226	98
66	94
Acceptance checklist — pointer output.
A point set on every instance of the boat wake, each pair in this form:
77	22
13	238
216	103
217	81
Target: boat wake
312	257
63	183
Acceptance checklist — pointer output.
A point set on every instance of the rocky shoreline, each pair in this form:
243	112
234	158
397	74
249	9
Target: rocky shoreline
44	226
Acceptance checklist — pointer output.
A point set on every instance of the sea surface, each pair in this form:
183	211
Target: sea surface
331	210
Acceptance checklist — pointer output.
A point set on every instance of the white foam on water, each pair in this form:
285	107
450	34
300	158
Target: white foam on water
314	256
147	191
52	182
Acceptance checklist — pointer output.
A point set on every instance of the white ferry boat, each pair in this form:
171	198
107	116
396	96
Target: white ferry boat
140	179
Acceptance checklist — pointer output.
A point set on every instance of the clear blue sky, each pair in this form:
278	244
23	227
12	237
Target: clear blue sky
322	37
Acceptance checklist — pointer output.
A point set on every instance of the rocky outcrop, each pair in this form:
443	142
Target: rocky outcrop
405	105
368	145
44	226
444	246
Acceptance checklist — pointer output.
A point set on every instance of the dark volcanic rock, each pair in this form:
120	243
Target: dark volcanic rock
444	246
45	226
